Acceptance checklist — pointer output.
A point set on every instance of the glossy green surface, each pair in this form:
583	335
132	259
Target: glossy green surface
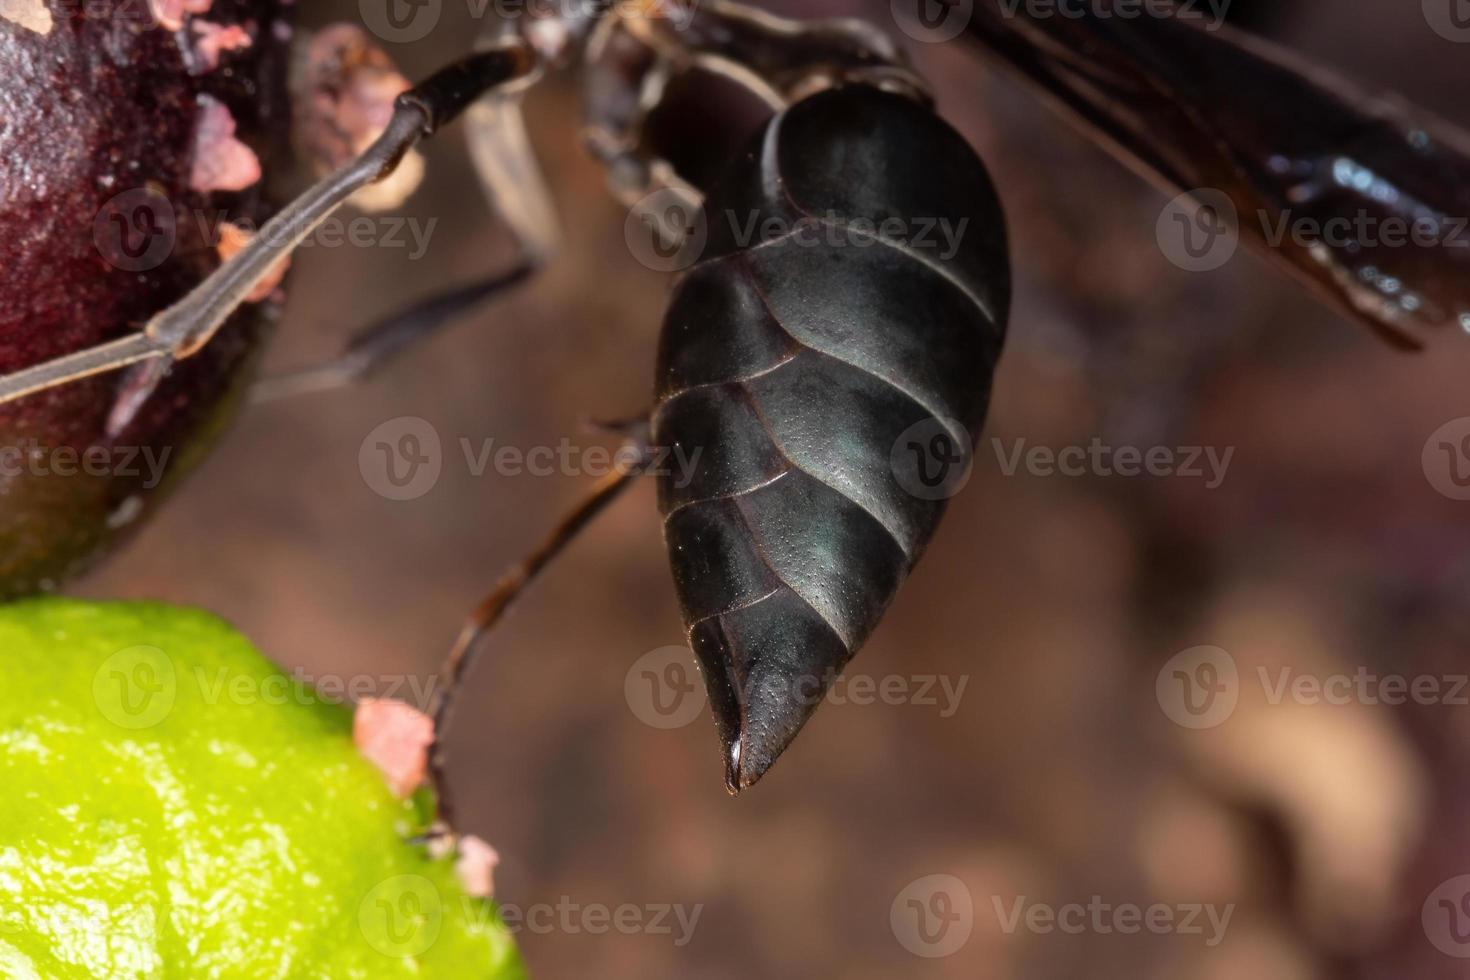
172	805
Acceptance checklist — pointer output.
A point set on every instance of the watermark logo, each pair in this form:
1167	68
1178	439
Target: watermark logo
401	21
570	917
663	688
933	916
406	21
1364	687
1446	459
1355	231
1199	231
1446	917
1105	918
1207	463
568	459
940	237
136	688
402	458
1450	19
666	231
932	459
401	916
1201	687
136	230
139	687
1198	688
29	457
942	692
943	20
1211	12
932	21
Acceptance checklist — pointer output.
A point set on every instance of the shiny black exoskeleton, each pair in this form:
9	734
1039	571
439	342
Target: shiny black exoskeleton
824	327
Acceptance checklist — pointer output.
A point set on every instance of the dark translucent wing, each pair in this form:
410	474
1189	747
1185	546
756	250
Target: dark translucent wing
1283	139
854	289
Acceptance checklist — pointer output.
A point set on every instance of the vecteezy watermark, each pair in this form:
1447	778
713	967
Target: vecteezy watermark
932	21
1445	917
1211	13
1101	917
667	232
941	20
941	692
932	459
570	917
403	458
136	688
1199	230
30	458
933	916
1200	687
663	689
136	231
939	236
404	916
1446	459
1363	686
1363	229
139	229
566	458
1206	463
139	686
1450	19
407	21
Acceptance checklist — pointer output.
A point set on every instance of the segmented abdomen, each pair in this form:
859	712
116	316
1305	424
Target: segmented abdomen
826	360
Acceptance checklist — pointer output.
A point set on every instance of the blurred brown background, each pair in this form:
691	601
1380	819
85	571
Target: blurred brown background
1322	828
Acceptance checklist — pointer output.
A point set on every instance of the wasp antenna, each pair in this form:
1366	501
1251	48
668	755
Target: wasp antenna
182	329
450	90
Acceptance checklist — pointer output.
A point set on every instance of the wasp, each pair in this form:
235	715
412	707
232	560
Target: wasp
843	282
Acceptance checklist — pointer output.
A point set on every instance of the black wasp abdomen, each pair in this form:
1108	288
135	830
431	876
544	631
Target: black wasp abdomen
824	369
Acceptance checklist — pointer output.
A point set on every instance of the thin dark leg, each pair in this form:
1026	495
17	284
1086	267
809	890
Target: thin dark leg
633	459
378	344
185	327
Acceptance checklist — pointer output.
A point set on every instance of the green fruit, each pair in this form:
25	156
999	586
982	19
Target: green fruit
172	805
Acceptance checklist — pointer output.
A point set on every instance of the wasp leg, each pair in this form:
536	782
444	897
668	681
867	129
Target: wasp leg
632	61
631	460
502	154
375	346
781	59
184	328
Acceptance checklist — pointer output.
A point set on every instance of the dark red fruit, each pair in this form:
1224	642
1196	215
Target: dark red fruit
106	217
